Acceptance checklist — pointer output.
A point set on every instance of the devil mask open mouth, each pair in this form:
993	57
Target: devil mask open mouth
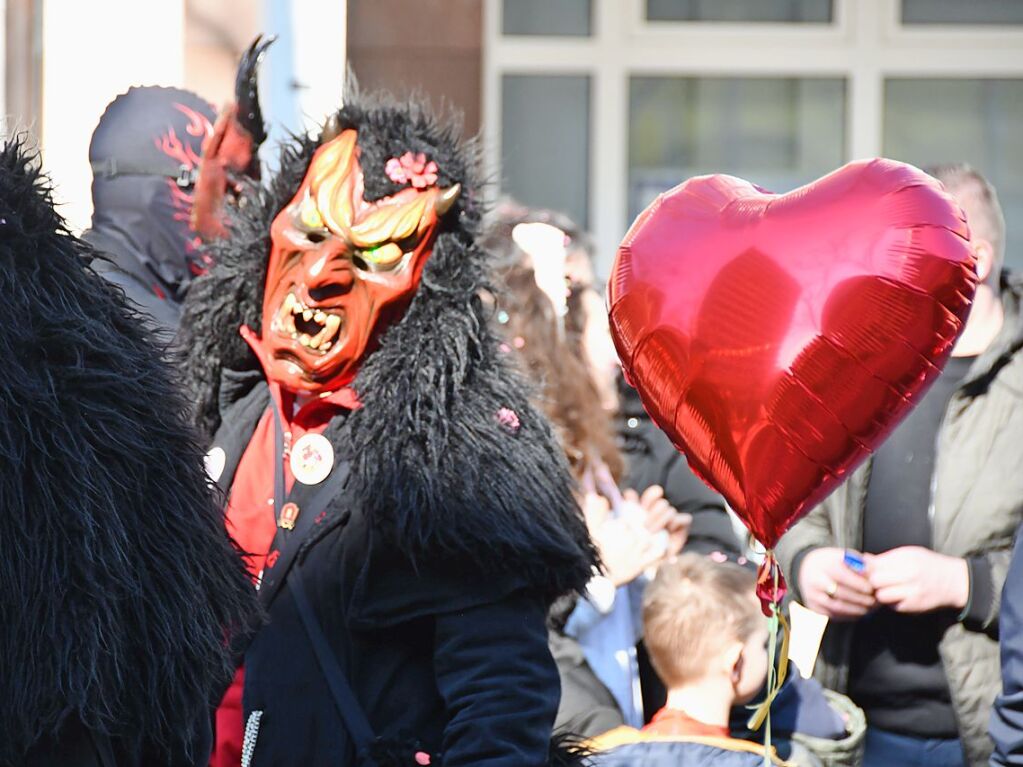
342	269
315	329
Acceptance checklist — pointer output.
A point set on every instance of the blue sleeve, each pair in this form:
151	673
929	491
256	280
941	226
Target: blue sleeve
1007	714
584	618
499	683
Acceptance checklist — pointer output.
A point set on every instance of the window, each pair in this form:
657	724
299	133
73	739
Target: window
547	17
545	141
929	121
962	12
777	132
776	91
818	11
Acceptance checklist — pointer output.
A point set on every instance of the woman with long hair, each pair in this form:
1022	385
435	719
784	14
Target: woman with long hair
545	308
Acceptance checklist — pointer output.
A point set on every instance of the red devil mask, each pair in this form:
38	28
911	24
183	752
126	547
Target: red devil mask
343	269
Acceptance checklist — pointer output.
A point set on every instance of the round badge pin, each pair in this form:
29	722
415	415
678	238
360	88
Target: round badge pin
215	461
312	458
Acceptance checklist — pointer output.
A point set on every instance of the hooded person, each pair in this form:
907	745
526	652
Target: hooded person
408	513
145	153
121	592
164	177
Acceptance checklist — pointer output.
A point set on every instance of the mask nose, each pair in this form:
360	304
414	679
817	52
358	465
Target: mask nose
331	275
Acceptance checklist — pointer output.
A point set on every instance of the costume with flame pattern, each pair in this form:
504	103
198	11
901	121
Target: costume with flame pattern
406	512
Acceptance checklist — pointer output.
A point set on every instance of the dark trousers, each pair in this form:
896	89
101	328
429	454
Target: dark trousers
889	749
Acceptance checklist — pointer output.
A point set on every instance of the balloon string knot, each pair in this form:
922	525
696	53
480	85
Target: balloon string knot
771	586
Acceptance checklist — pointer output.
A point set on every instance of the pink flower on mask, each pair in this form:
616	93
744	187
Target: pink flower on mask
412	169
509	419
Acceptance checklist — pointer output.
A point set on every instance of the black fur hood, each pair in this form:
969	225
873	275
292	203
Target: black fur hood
119	589
448	455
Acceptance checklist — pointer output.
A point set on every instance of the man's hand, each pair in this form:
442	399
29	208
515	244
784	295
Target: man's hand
914	579
831	588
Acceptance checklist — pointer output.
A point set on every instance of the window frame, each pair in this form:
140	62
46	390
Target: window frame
865	44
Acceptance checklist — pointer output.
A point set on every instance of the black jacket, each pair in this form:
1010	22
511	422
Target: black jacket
440	662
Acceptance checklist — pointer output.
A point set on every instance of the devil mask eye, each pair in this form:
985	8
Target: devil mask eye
383	257
309	215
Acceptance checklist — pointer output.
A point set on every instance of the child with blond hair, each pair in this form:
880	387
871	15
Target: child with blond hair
707	639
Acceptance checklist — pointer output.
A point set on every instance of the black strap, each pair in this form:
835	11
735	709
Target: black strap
344	697
348	707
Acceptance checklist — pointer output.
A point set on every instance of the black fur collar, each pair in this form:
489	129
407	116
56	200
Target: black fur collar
433	461
118	585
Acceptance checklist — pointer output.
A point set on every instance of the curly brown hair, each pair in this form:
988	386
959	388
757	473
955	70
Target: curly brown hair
549	348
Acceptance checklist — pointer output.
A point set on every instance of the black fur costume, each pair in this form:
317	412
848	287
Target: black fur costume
455	485
431	468
118	586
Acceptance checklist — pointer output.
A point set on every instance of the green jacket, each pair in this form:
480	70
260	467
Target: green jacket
976	507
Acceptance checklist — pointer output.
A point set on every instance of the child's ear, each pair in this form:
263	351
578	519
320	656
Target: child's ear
737	670
984	252
733	658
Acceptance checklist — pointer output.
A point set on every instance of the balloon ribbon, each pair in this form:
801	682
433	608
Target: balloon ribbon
771	590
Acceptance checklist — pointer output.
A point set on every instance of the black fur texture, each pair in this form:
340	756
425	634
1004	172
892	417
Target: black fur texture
431	463
119	590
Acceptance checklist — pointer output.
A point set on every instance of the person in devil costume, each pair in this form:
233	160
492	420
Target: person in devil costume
121	593
409	515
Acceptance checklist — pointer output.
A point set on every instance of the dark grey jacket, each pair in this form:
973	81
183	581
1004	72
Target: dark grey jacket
976	508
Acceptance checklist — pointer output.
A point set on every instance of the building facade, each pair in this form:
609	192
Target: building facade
591	107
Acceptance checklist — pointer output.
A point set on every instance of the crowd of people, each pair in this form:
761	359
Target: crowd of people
436	525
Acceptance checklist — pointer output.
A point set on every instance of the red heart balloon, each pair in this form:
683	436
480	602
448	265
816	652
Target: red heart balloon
778	339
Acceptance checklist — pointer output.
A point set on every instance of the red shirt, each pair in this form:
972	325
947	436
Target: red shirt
250	520
670	721
250	506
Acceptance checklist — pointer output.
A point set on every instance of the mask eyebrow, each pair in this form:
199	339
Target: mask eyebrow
335	196
391	222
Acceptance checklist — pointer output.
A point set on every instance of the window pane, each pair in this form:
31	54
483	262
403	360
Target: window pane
961	12
778	133
816	11
545	141
546	17
976	121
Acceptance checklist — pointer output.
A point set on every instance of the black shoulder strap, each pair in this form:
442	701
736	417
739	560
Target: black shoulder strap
355	720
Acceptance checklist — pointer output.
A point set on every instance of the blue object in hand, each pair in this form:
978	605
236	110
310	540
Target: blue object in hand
854	561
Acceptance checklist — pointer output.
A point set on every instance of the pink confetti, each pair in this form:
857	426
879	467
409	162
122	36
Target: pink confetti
509	419
422	758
